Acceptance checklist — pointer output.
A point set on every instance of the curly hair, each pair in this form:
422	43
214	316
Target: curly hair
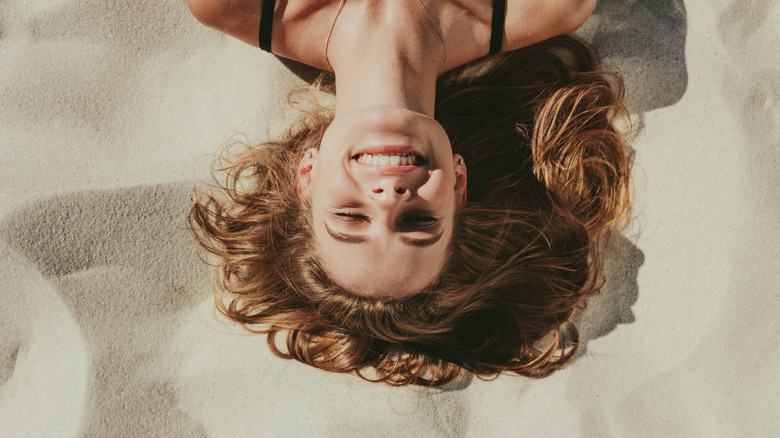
548	182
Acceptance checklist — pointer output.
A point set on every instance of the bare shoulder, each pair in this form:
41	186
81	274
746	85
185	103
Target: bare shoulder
530	21
237	18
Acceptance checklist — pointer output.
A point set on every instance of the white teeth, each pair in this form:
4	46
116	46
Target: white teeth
388	159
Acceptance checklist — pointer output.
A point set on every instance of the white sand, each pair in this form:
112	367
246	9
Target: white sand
106	322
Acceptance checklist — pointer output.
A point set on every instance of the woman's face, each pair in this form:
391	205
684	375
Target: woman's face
383	186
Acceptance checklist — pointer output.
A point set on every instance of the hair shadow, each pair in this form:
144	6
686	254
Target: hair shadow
621	261
645	40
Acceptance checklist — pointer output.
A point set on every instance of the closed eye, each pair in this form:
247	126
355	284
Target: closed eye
421	220
347	216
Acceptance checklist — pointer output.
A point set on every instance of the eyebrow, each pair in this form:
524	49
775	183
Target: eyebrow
360	238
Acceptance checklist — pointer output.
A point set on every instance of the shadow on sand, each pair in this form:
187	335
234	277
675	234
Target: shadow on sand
125	267
645	40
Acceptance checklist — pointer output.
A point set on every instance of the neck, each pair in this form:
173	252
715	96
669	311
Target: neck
387	67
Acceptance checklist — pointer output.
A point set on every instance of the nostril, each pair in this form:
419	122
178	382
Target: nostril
400	191
378	190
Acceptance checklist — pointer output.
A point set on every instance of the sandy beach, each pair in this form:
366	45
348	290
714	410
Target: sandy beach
109	111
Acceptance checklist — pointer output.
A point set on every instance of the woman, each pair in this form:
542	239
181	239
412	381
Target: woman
355	237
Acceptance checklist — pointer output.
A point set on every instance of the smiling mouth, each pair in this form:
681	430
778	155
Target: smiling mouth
389	160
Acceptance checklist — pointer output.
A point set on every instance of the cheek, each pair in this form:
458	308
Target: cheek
439	189
331	190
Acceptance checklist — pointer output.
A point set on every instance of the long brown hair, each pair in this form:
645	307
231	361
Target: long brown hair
548	181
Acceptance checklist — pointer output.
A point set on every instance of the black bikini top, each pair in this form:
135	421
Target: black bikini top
496	25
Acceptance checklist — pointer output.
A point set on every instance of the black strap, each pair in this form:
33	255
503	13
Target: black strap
266	24
497	26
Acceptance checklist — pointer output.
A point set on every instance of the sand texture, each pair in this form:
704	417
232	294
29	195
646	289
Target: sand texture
107	326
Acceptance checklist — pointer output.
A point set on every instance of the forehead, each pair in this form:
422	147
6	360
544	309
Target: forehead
382	265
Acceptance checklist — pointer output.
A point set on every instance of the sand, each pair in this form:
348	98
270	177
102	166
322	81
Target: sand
107	327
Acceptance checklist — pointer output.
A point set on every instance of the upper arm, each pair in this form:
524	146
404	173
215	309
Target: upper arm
237	18
531	21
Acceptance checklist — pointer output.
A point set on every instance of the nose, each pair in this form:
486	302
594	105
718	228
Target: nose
388	193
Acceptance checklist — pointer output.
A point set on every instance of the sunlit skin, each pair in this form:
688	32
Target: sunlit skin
383	231
386	56
386	84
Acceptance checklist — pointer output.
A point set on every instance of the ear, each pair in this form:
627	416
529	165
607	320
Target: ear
460	178
304	171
